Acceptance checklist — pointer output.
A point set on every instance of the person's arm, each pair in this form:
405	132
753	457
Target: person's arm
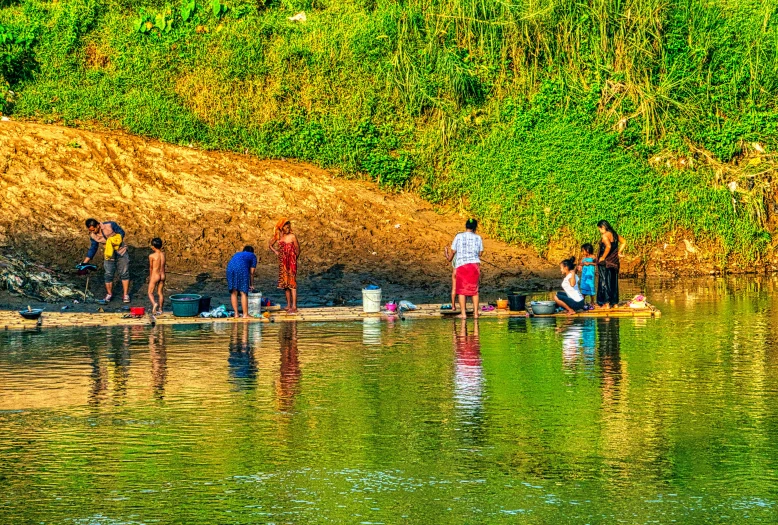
448	253
271	245
92	250
607	248
251	272
622	246
481	251
453	253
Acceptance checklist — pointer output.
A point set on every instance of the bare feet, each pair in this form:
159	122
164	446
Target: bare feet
292	311
462	316
569	312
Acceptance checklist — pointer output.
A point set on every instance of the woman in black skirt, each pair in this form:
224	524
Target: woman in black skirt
611	248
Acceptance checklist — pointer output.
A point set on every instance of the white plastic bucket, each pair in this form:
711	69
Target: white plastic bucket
371	301
255	304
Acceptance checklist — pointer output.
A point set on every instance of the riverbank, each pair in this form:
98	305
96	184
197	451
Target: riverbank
207	205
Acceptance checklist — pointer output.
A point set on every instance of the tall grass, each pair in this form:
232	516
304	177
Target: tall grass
428	94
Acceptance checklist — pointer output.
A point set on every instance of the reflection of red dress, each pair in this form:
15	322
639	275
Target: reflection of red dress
287	266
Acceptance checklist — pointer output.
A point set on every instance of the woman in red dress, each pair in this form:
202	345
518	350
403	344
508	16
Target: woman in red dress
288	251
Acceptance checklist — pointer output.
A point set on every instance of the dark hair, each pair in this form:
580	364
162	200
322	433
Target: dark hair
608	227
569	263
471	224
156	242
587	247
249	249
91	223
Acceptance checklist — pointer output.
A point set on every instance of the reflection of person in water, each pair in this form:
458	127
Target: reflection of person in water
120	355
609	350
158	356
99	377
241	361
468	374
290	373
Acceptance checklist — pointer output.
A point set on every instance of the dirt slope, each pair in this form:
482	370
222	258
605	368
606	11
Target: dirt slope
207	205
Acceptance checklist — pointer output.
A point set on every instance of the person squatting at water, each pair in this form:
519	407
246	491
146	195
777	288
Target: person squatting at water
240	278
467	248
156	275
288	252
571	298
116	257
610	251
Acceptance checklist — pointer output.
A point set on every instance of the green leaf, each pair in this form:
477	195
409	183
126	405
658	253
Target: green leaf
187	9
216	6
138	25
159	21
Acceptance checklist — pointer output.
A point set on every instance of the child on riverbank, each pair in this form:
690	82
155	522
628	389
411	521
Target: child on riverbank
588	267
156	275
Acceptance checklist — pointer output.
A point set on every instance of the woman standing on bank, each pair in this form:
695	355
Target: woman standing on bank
467	249
288	252
610	251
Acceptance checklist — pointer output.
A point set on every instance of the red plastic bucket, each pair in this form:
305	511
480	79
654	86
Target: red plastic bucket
137	311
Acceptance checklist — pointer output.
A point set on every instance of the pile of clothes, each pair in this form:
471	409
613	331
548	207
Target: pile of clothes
27	279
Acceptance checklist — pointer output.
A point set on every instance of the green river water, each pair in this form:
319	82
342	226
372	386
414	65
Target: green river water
670	420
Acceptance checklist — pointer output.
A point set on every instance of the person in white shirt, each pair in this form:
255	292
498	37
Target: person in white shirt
571	298
466	251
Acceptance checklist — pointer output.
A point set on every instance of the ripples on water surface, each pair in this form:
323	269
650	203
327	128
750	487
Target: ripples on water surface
530	421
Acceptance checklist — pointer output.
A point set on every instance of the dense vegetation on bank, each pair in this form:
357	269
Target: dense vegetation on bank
540	117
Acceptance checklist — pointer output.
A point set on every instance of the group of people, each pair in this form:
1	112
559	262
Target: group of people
468	247
240	269
464	255
576	291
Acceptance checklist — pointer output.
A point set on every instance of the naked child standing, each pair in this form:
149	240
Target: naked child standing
156	275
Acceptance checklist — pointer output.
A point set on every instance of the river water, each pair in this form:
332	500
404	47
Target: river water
429	421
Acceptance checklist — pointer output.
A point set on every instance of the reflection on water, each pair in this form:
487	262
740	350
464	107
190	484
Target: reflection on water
289	371
242	365
468	377
552	420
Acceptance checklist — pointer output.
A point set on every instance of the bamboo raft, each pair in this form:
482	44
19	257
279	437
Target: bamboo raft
11	320
620	311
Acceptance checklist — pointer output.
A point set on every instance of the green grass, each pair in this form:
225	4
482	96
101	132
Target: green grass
538	117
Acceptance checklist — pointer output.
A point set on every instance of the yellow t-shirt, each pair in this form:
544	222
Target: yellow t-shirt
111	244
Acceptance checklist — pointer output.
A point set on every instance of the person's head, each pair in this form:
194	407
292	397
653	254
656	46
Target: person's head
587	249
92	225
249	249
605	226
567	265
287	227
471	225
156	242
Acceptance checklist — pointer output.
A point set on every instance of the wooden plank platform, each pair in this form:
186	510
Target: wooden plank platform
11	320
620	311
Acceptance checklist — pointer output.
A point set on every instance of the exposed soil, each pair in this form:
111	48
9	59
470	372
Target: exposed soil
207	205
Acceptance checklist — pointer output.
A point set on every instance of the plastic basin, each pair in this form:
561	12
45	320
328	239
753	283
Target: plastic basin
543	307
185	304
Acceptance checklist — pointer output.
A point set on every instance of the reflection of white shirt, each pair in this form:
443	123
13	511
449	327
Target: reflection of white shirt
468	246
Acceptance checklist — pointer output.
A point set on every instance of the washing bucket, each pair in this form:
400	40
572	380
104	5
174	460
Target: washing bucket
185	304
502	304
517	302
371	301
255	304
